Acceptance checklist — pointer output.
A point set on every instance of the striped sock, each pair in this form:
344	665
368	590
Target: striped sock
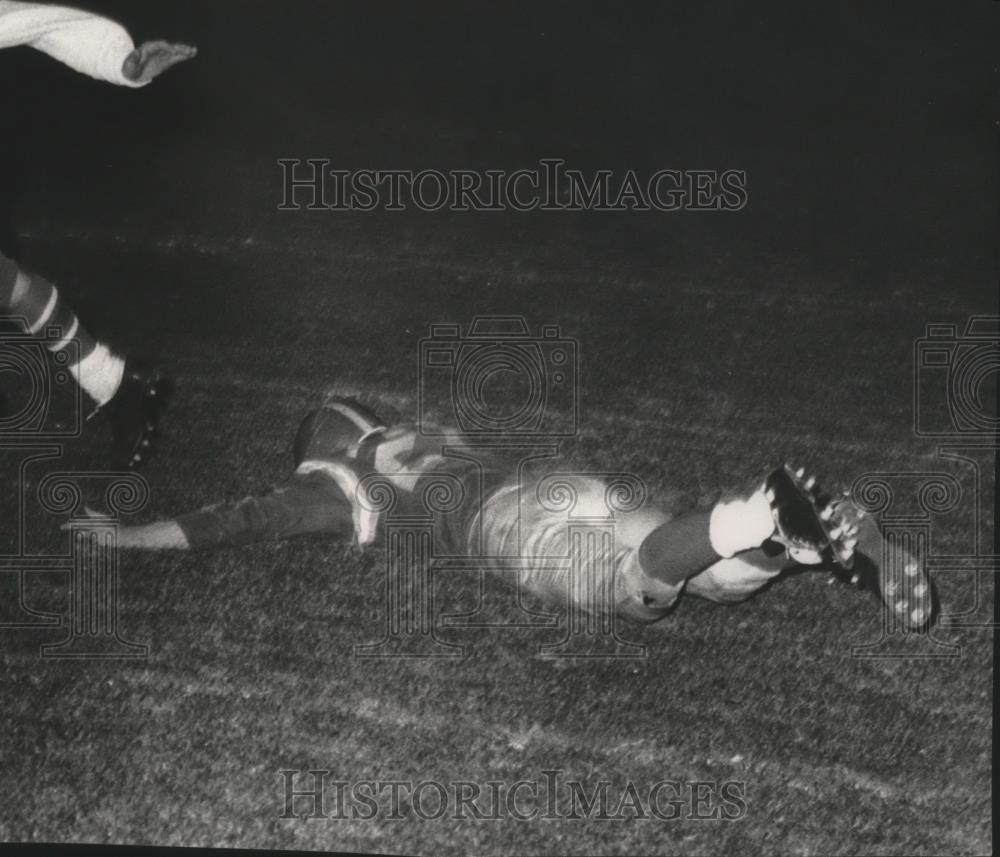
96	369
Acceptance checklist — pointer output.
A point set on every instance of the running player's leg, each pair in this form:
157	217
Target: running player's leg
129	395
38	302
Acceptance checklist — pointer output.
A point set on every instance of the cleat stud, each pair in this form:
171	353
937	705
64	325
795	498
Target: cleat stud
810	482
800	472
918	616
901	606
920	590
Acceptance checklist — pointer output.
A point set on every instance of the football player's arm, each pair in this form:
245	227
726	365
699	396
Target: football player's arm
307	505
160	535
90	44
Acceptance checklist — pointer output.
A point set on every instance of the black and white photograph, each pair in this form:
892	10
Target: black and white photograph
460	428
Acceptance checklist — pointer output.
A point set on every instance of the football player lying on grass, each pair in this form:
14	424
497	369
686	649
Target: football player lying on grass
342	450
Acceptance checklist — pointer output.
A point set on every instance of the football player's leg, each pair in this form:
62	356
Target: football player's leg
731	552
651	560
130	396
38	302
683	547
716	555
566	552
729	581
725	555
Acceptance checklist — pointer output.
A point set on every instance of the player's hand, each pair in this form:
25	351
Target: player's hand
151	59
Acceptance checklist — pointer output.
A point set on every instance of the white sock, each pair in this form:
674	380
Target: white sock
100	374
740	525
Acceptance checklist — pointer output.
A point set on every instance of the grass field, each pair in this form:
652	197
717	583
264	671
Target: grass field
251	667
711	348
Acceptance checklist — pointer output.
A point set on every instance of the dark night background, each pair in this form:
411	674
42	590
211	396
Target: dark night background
867	131
713	346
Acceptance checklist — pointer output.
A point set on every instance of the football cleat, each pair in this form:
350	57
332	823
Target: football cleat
134	413
893	574
811	524
807	520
